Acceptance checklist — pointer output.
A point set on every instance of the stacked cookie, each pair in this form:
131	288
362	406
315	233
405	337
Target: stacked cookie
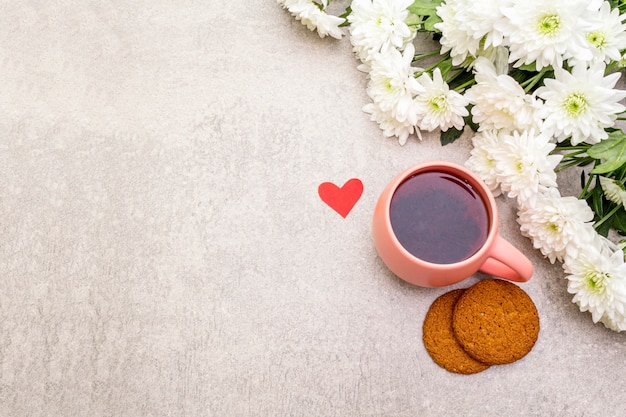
493	322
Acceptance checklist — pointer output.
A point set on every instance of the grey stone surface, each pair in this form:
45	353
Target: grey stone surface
163	250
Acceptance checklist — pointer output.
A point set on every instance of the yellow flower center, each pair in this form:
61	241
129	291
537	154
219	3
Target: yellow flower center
595	281
438	103
549	24
575	104
597	39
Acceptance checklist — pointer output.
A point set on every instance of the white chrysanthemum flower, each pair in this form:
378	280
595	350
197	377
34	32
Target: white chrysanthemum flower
438	106
598	283
481	18
379	25
580	104
524	165
392	85
613	190
392	88
615	322
500	102
481	159
390	125
314	17
557	225
546	32
609	38
469	29
454	37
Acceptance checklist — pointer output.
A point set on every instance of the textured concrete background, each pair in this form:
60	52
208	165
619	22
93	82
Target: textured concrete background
163	250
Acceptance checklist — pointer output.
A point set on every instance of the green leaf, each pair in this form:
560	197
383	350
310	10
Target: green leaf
445	66
604	229
614	3
618	221
429	24
532	67
424	7
608	167
596	202
458	77
450	135
611	150
344	16
519	76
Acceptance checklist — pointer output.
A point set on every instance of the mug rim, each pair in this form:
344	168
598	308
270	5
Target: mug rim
485	193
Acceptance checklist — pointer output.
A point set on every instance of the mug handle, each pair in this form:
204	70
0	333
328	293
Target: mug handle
506	261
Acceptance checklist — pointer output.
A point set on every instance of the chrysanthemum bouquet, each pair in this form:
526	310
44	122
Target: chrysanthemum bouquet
535	82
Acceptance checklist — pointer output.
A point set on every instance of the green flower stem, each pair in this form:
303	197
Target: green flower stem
610	66
462	86
574	161
425	55
571	159
531	82
585	191
456	75
575	153
432	67
572	148
607	216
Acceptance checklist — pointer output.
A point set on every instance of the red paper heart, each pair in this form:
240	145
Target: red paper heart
341	199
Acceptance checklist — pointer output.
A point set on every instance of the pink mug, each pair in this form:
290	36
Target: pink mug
436	224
